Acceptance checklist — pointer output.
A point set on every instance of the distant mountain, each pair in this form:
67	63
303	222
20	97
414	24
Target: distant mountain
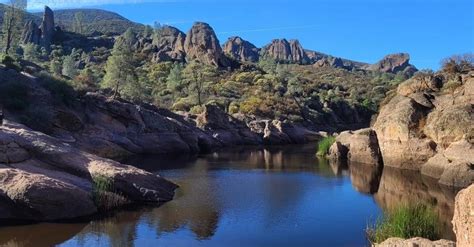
94	20
29	16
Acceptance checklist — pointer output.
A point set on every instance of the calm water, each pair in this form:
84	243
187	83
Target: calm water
250	197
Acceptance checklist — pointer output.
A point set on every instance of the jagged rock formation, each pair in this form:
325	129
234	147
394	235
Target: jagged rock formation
31	33
333	62
241	50
169	45
286	51
394	63
43	35
202	44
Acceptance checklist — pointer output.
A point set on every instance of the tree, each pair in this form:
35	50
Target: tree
120	68
12	24
175	81
78	25
69	66
30	52
294	90
56	66
198	77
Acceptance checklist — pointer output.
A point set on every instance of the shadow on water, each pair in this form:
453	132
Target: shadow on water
247	196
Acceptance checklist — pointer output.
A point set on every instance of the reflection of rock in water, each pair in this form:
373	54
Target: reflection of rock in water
38	235
120	229
407	187
365	178
339	168
194	205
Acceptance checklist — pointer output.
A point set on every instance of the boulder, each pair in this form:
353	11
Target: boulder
241	50
362	147
37	197
53	173
399	131
419	242
393	63
202	44
225	128
463	220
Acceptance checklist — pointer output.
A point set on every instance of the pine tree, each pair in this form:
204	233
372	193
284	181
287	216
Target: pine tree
120	69
78	25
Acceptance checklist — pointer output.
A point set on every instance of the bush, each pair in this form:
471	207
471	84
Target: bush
60	89
324	145
10	63
405	222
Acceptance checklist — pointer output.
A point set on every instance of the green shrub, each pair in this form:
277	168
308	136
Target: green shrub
324	145
104	194
9	62
60	89
405	222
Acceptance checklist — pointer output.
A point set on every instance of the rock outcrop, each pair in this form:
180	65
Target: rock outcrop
169	45
241	50
359	147
31	33
202	44
51	174
47	28
42	35
283	50
426	127
463	220
394	63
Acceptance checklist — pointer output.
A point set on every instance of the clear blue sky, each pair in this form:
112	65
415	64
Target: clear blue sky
363	30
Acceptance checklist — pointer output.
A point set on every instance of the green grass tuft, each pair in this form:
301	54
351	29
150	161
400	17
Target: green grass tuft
104	194
324	145
406	222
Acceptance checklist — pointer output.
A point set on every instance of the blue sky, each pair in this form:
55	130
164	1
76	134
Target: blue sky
363	30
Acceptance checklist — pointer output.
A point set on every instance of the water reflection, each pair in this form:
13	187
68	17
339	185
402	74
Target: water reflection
251	197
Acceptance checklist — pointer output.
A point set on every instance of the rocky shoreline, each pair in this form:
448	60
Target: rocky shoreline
424	127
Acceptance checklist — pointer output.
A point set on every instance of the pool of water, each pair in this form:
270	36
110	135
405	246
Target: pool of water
250	197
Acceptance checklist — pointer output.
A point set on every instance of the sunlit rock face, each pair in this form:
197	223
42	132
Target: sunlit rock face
241	50
202	44
463	219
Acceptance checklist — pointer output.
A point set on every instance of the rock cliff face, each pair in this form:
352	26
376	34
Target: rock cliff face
241	50
169	45
202	44
426	126
286	51
43	35
394	63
